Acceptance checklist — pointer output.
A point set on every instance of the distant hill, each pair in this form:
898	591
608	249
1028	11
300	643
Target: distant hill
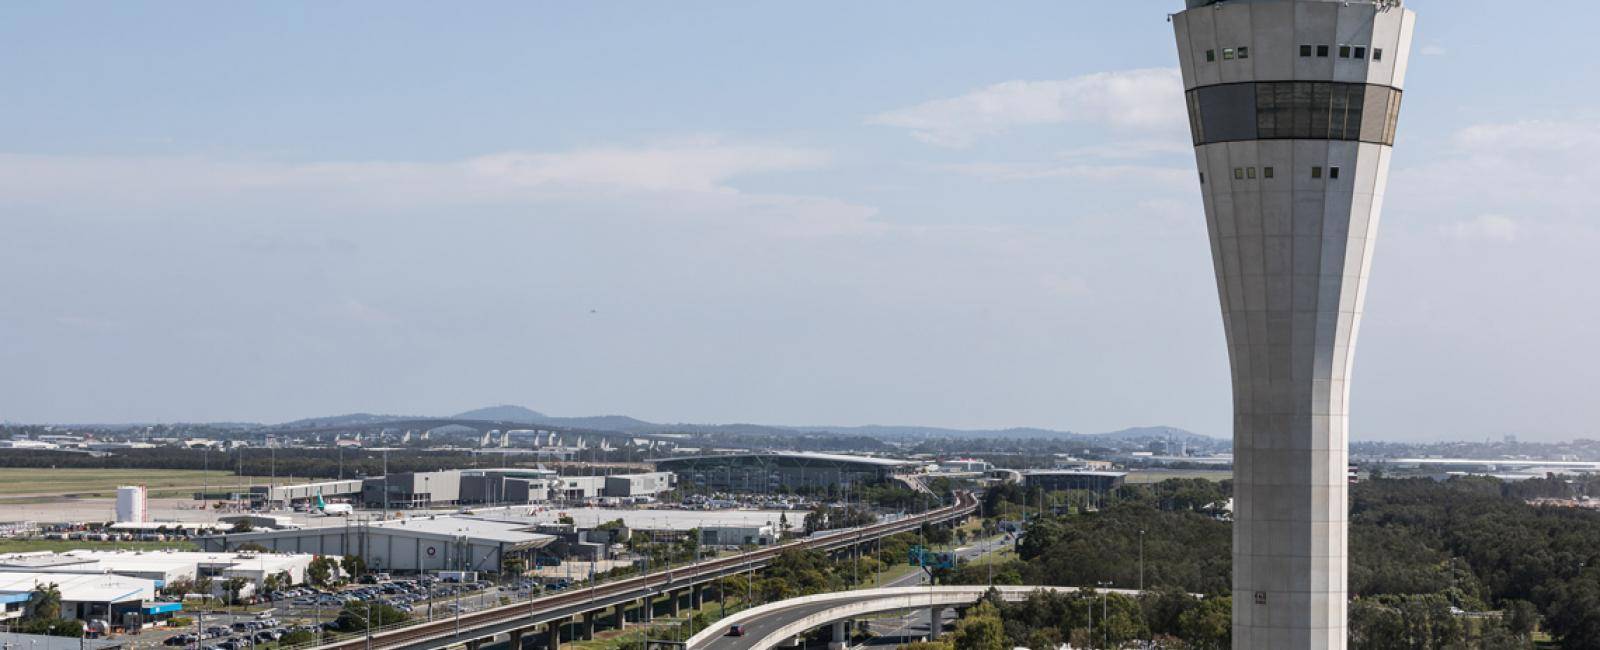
626	424
1132	434
504	413
353	419
1156	433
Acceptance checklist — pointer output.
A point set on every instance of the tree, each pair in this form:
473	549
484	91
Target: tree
981	629
277	581
1208	626
45	602
353	616
320	571
44	614
353	565
232	588
1521	617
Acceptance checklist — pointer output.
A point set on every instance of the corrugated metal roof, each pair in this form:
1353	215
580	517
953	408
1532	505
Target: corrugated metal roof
81	587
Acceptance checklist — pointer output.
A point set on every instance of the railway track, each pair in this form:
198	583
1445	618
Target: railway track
558	606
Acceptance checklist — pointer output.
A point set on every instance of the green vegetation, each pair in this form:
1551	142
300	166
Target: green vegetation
1465	563
30	545
43	615
103	482
353	616
1145	476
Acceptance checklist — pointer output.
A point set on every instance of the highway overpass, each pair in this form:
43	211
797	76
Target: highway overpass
779	623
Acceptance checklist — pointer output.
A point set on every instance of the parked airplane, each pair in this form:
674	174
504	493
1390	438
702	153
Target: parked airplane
334	509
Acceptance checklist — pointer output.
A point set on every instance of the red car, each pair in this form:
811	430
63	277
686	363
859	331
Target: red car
736	630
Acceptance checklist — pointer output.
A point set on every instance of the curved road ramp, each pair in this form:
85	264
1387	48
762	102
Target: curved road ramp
778	623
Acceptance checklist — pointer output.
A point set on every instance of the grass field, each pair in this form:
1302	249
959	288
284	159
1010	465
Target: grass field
27	545
104	482
1159	475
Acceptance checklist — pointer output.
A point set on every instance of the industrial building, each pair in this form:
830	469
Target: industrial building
1072	479
639	485
84	596
504	486
413	544
770	472
162	567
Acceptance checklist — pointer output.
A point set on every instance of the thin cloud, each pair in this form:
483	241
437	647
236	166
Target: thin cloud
1491	227
1142	100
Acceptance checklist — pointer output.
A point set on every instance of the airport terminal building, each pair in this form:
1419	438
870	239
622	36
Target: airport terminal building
770	472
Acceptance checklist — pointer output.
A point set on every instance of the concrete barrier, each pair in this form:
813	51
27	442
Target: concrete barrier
853	604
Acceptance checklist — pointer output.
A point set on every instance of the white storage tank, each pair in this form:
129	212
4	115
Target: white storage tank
131	505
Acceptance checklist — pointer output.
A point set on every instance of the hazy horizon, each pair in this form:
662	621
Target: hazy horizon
948	215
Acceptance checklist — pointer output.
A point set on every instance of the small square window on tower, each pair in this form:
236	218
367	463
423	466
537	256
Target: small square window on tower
1244	52
1202	178
1266	172
1377	54
1250	173
1305	50
1333	172
1211	56
1361	52
1344	51
1316	172
1238	173
1227	54
1322	51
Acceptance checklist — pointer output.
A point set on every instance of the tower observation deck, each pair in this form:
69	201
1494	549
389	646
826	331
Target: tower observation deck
1293	106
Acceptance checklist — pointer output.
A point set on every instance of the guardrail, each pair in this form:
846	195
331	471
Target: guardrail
532	611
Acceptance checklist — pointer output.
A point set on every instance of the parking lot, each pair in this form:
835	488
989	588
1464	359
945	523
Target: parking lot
301	614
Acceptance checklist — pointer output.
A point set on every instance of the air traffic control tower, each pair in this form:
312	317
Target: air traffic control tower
1292	105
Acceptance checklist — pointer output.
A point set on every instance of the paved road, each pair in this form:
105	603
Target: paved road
762	626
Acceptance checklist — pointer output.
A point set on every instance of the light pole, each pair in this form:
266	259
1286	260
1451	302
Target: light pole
1105	617
461	542
1141	561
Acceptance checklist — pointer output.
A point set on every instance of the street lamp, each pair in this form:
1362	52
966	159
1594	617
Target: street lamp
1105	618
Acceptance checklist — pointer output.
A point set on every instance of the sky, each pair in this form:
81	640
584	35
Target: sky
938	213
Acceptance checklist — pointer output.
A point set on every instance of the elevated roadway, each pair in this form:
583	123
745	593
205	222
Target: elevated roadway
779	623
619	600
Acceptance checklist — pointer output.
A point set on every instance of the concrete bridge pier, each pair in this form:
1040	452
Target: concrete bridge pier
675	603
697	597
586	632
514	640
553	633
935	622
619	618
841	636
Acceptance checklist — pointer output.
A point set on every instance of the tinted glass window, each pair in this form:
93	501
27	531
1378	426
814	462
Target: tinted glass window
1293	110
1305	50
1322	50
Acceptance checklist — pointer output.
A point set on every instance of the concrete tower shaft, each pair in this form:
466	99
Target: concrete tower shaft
1293	106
